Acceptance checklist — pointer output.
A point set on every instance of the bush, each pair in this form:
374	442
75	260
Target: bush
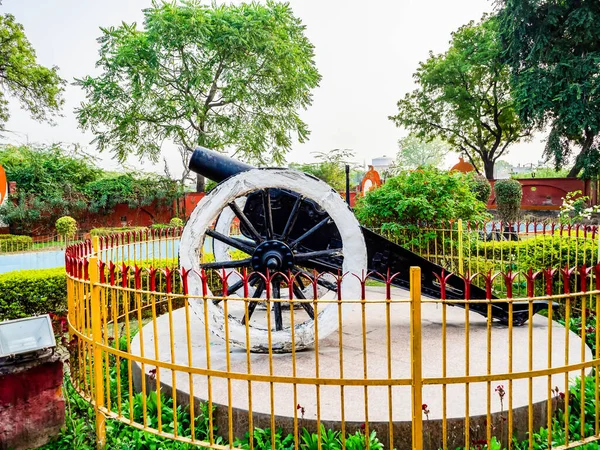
66	227
508	199
159	226
15	243
480	186
176	222
32	292
425	195
107	231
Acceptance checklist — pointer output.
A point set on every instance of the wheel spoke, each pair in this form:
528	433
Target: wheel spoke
233	242
266	196
320	281
308	308
309	232
292	219
227	264
245	221
252	306
277	306
318	254
235	287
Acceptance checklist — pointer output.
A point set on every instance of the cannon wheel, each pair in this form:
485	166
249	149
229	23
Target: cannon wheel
209	209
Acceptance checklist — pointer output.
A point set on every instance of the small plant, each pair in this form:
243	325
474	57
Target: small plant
574	208
508	199
480	186
176	222
66	227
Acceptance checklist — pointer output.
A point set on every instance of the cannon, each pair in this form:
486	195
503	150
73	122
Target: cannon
293	223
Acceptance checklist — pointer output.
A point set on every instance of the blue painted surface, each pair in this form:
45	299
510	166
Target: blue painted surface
32	260
56	258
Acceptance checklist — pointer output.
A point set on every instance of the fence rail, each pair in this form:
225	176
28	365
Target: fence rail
418	372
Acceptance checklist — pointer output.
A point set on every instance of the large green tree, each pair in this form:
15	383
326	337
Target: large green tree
463	97
224	77
37	88
553	49
415	152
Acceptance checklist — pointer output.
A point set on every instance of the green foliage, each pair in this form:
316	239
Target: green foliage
37	88
13	243
508	199
331	167
416	152
53	182
427	195
220	76
107	231
66	227
480	186
574	208
543	172
176	222
463	97
32	292
552	49
136	190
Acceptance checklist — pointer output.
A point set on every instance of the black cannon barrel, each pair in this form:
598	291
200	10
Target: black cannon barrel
215	166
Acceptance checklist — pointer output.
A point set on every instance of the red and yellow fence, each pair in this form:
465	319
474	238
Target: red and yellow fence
401	371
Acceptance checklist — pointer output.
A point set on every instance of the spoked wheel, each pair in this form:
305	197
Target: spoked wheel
290	223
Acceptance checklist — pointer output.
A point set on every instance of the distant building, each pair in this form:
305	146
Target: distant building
382	163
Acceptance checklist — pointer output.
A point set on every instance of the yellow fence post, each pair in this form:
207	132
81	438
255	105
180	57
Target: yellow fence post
97	339
416	358
461	258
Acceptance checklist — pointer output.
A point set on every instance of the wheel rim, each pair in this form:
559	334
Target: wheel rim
211	206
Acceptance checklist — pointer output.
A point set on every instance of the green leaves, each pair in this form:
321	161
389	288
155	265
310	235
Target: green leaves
223	76
463	97
508	199
37	88
553	53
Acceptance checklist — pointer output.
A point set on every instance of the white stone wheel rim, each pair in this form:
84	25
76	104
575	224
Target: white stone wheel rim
210	207
221	253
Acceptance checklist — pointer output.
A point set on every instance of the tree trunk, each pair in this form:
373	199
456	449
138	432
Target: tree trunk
488	167
200	183
587	144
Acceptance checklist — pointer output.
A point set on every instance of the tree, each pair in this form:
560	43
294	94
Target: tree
37	88
553	49
415	152
464	98
331	167
224	77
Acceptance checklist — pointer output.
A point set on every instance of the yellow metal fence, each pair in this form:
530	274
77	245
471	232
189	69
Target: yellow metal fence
401	371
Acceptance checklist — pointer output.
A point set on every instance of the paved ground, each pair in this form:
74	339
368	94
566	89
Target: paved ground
353	359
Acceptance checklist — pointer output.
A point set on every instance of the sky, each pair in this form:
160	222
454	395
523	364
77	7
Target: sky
366	53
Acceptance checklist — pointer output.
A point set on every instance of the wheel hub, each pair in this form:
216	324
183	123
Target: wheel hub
273	255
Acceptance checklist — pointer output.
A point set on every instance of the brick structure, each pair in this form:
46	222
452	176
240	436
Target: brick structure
32	407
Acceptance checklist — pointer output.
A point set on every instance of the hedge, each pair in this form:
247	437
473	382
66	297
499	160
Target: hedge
12	243
32	292
112	230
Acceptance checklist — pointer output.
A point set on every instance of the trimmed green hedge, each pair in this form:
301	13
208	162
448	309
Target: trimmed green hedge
13	243
32	292
112	230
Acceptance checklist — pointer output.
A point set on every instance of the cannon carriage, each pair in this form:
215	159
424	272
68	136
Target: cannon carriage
292	227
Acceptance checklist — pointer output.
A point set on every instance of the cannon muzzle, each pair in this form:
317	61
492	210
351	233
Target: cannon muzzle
215	166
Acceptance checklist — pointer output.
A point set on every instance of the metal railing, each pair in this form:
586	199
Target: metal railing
399	365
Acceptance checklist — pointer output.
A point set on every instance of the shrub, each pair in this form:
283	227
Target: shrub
15	243
176	222
66	227
508	199
32	292
480	186
424	195
107	231
160	226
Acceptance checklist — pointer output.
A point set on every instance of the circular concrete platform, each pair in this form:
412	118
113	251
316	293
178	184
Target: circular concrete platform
378	397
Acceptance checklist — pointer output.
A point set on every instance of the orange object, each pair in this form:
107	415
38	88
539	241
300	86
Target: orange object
463	166
371	181
3	185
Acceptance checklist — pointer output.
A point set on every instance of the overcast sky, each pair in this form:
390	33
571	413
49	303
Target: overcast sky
365	51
